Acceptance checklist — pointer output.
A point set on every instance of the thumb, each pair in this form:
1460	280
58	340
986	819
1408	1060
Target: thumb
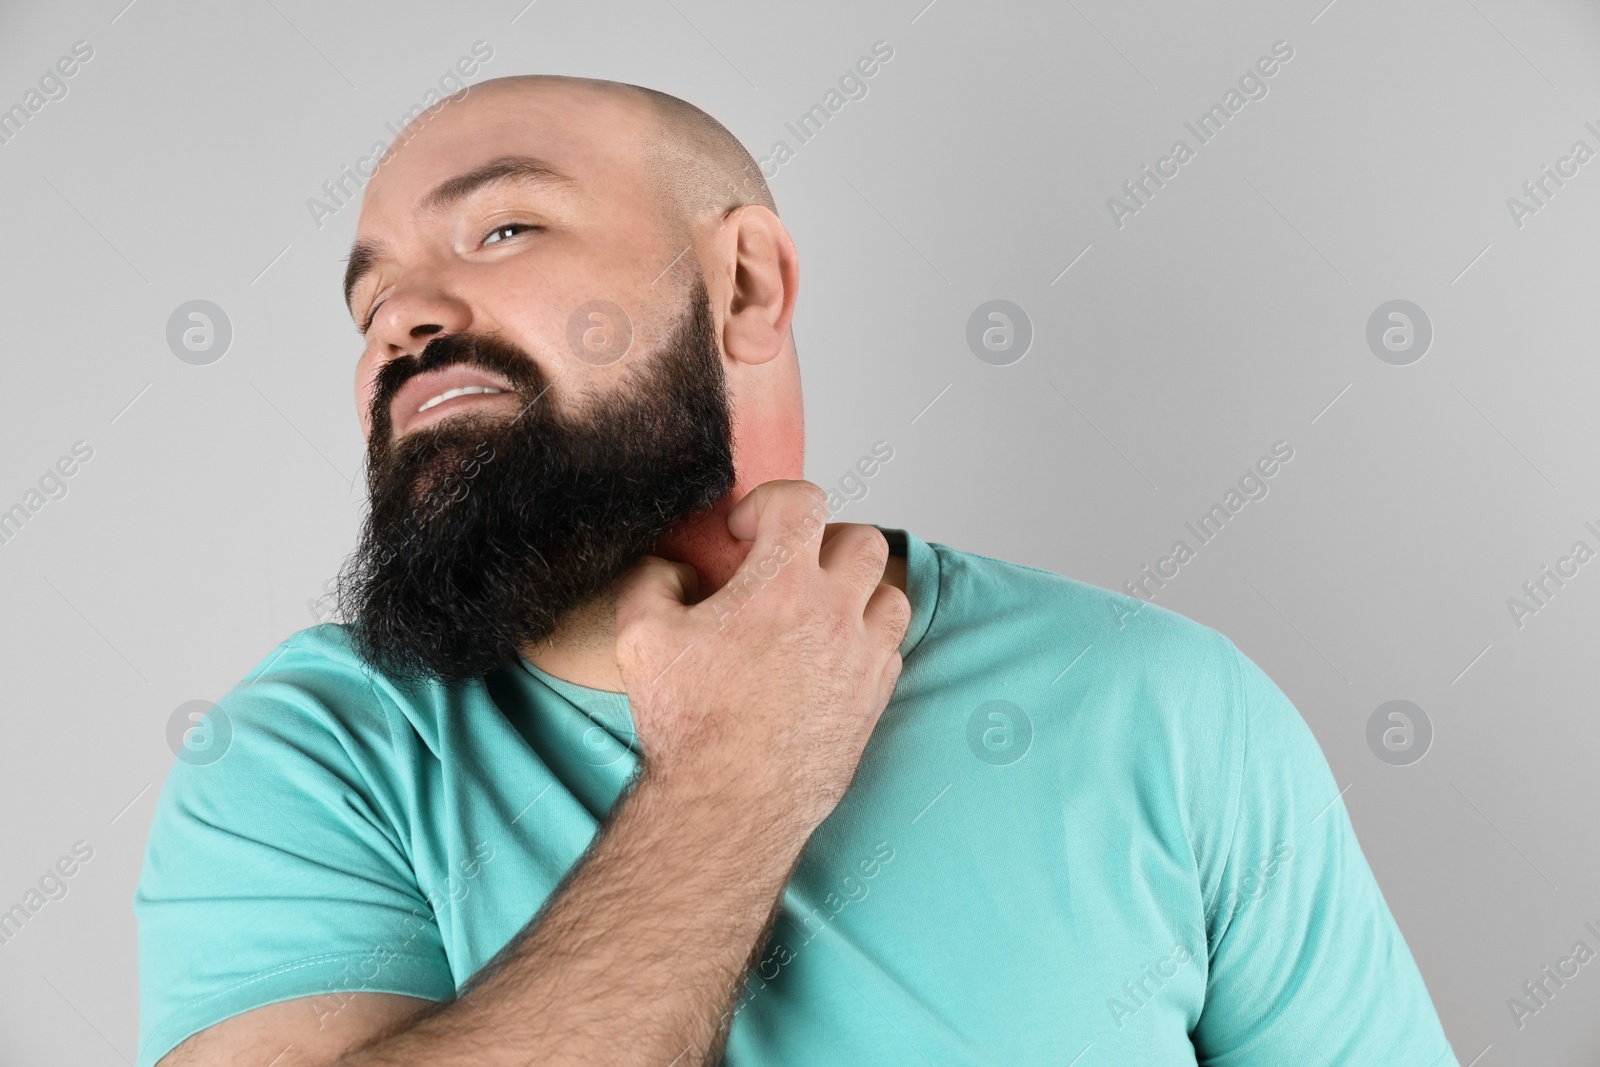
655	585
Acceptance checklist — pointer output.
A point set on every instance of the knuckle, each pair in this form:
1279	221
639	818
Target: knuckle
870	554
893	610
807	487
811	495
874	541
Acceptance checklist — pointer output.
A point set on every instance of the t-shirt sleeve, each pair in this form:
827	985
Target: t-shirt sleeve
1306	963
276	867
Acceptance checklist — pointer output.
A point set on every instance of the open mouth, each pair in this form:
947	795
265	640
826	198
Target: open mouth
434	395
451	394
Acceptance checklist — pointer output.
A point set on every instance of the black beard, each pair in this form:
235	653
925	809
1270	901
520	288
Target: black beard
483	533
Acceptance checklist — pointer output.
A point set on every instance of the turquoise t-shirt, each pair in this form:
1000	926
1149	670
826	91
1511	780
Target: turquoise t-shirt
1087	830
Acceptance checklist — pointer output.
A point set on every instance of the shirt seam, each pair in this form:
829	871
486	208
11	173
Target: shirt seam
389	716
286	968
1075	586
938	593
1244	758
1022	566
391	712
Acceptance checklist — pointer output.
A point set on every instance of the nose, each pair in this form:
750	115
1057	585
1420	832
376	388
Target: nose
411	317
405	322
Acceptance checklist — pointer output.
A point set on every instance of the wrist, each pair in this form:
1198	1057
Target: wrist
749	822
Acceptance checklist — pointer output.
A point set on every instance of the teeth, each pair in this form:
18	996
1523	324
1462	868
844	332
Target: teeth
451	394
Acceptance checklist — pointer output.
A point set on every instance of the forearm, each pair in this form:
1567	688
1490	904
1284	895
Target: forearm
635	959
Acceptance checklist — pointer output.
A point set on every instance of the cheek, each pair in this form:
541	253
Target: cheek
363	393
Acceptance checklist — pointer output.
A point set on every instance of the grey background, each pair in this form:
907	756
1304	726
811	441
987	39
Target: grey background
1229	314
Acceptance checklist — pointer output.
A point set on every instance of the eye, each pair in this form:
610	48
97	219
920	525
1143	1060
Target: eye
509	229
371	315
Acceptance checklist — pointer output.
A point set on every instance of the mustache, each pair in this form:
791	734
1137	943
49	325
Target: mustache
485	351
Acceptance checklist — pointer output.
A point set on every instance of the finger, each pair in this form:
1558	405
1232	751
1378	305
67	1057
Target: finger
656	584
830	531
855	555
786	513
887	616
889	677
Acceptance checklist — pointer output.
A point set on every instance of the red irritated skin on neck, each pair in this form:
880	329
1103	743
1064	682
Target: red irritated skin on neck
763	451
574	216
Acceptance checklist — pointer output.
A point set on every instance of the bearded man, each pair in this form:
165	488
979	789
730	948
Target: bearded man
625	755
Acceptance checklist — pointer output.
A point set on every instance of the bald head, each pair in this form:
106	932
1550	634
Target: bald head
700	170
694	168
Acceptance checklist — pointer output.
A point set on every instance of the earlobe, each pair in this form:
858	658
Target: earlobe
765	283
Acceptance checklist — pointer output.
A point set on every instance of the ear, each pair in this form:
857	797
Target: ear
764	271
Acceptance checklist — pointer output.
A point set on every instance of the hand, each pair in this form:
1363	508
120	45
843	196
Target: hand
760	698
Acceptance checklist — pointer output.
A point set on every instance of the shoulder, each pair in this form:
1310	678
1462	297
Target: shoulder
1130	637
313	684
305	752
310	719
315	681
1149	691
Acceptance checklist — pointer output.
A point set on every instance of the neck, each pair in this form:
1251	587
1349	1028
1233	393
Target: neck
583	648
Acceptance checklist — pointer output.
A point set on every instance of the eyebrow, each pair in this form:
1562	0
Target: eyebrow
363	255
521	170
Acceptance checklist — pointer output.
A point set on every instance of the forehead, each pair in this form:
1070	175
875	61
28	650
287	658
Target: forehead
592	135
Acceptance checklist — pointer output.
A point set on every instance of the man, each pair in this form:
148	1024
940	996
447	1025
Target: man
627	756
